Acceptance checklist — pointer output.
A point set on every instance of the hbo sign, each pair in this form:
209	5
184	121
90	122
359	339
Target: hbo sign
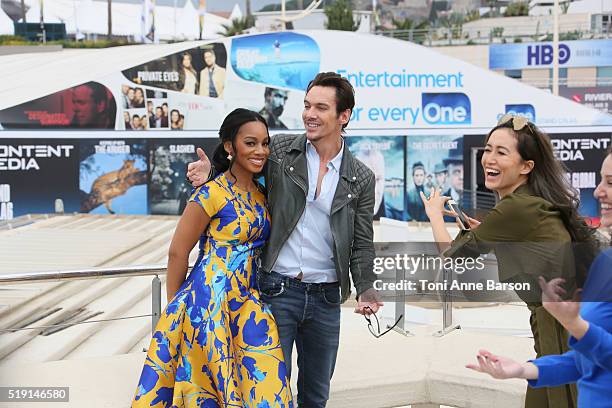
542	54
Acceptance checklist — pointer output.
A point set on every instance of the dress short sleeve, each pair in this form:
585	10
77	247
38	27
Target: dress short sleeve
208	197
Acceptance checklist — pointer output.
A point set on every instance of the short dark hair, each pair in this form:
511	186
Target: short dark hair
418	165
345	94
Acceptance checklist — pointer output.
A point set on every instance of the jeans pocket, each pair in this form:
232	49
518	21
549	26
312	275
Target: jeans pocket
268	286
331	296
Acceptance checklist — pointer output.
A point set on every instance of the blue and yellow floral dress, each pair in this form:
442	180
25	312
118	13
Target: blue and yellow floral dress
216	344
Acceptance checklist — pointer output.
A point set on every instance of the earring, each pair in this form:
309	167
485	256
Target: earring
230	157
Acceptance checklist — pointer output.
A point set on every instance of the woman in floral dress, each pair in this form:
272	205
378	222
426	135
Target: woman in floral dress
216	344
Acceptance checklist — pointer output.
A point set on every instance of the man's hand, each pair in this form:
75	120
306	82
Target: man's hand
198	171
368	302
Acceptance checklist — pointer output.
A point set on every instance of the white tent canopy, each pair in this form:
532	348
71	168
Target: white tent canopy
236	12
188	25
6	24
86	20
590	6
53	11
90	17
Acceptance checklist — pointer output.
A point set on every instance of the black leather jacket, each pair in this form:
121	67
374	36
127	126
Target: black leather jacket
286	176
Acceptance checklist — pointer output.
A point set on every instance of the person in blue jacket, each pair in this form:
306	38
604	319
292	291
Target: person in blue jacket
588	321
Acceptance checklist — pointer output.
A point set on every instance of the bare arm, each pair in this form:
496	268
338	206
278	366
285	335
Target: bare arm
434	207
191	225
502	368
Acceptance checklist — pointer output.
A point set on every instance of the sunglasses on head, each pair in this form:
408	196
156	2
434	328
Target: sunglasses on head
518	122
375	328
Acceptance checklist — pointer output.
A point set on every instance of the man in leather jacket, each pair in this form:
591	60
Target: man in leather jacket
321	200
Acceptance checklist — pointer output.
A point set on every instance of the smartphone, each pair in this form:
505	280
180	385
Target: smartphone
463	222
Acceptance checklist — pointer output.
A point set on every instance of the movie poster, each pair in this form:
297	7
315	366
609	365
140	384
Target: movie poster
183	113
197	71
87	106
432	161
158	112
384	155
113	176
168	159
583	154
282	108
38	176
478	197
283	59
598	97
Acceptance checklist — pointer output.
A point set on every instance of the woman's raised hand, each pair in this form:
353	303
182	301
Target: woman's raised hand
501	367
434	205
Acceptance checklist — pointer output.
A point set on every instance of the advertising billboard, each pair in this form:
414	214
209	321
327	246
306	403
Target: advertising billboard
586	53
34	173
398	85
413	106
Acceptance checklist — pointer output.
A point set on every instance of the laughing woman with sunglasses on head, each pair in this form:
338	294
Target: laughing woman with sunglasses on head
589	322
531	230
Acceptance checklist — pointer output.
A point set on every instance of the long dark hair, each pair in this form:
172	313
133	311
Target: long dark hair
227	133
547	180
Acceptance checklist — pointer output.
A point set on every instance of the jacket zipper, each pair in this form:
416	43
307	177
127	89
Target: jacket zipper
286	237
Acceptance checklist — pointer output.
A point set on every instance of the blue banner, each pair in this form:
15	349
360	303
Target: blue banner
591	53
287	60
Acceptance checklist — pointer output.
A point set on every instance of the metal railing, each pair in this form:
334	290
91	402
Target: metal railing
460	35
142	270
99	273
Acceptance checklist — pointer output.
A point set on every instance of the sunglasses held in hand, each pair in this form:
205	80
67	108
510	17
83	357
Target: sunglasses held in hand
375	328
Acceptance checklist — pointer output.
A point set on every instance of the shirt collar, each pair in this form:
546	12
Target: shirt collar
524	189
336	161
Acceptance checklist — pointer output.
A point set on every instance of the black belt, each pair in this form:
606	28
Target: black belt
297	283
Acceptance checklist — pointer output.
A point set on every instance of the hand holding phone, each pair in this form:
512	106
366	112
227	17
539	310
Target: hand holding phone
464	224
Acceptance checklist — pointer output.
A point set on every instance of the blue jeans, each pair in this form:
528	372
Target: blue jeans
309	315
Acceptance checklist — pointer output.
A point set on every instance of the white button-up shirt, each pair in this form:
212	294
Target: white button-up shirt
309	249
